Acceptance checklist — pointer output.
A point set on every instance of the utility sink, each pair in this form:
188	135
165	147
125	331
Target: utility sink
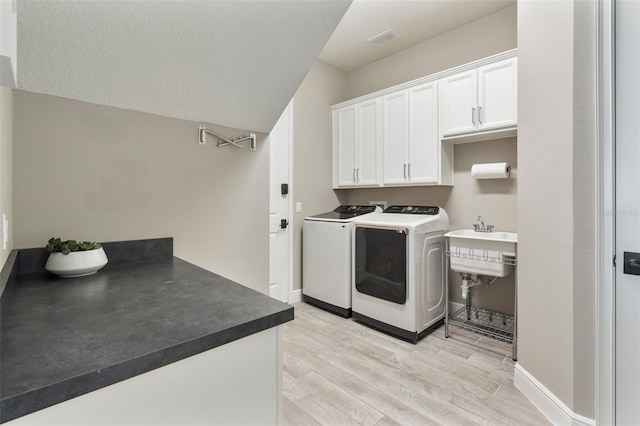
482	253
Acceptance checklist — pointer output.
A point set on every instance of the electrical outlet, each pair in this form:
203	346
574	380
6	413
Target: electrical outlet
382	204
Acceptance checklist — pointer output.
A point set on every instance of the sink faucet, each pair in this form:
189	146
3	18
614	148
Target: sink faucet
481	227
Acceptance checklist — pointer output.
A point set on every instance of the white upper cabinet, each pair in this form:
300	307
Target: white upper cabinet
344	148
395	130
498	95
424	145
404	135
411	149
8	43
459	95
480	99
367	130
355	145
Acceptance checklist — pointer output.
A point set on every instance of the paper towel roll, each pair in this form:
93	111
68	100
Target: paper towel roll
491	171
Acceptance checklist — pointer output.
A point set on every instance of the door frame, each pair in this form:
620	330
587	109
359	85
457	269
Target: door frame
289	200
605	213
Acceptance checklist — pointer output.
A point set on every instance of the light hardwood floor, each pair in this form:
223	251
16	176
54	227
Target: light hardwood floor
340	372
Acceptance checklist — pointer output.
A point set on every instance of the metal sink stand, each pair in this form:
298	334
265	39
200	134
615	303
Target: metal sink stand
482	321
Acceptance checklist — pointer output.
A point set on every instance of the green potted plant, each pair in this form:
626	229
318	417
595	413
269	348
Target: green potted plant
74	259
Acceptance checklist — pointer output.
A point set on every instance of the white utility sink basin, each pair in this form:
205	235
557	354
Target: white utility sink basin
482	253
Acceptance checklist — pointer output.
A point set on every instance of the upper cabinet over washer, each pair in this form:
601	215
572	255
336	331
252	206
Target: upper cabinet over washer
480	100
411	149
355	145
404	135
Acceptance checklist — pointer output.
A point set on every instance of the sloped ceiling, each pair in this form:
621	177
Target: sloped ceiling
413	21
232	63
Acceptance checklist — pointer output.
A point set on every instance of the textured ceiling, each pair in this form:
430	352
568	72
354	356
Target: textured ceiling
414	21
233	63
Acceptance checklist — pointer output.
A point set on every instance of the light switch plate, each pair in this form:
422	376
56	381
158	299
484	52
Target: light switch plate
5	231
298	207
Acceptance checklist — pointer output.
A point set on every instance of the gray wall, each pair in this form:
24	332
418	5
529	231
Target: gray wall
312	150
557	171
485	37
85	171
6	166
584	209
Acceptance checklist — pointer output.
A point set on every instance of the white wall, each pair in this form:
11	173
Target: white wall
312	150
6	167
91	172
557	172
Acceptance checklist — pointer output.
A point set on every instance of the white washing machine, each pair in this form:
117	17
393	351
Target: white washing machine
398	274
326	257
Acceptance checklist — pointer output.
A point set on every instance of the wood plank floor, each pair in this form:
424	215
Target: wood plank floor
340	372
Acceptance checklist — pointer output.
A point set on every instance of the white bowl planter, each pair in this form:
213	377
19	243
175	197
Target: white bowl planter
77	263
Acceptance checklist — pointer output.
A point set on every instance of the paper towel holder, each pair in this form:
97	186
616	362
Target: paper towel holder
491	171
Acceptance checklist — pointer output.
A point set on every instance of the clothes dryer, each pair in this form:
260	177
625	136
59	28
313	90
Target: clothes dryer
398	274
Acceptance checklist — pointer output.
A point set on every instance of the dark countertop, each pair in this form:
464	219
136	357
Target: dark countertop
65	337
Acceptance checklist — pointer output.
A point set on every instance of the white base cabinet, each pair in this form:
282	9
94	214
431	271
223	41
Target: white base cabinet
239	383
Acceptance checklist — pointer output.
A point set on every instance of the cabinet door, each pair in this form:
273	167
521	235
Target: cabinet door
367	146
344	145
394	137
498	95
424	144
459	102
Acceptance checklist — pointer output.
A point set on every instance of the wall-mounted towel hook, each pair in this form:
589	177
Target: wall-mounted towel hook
202	138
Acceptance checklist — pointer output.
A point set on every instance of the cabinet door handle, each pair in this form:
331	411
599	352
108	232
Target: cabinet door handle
354	175
409	171
473	115
405	170
480	114
357	175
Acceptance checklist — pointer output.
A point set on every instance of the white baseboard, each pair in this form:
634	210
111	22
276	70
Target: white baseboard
295	296
548	404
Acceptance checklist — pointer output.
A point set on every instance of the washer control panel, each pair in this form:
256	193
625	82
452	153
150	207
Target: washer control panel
354	210
426	210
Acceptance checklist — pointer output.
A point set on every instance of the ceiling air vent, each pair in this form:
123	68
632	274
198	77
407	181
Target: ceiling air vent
384	37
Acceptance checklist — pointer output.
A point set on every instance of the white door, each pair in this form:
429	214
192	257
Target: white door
280	140
627	286
394	137
344	146
367	146
423	146
459	97
498	95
